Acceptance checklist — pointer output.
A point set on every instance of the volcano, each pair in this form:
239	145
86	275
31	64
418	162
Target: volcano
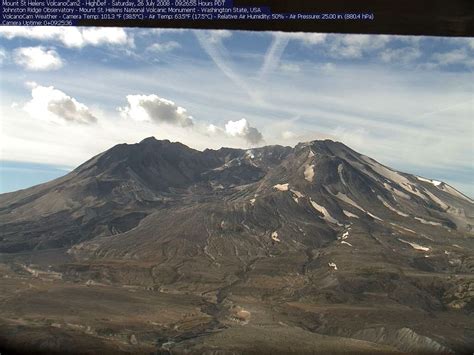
157	247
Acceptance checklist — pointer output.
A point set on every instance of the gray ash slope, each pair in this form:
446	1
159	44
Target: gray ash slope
324	239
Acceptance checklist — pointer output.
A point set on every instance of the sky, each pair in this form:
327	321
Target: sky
67	94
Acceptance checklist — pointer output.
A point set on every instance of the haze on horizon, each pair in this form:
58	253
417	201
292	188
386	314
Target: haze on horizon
71	93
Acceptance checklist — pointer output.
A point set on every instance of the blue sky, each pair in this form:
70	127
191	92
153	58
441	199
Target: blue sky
70	93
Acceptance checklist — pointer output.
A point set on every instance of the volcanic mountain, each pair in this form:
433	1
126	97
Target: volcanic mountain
159	247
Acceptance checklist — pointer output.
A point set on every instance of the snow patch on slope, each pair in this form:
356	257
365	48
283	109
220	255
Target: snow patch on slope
281	187
394	176
452	191
396	192
404	228
424	221
275	237
415	245
347	200
309	173
297	195
437	200
344	236
350	215
434	182
339	171
386	204
325	213
374	216
333	265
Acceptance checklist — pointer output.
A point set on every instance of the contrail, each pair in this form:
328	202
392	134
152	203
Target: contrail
446	108
215	50
273	55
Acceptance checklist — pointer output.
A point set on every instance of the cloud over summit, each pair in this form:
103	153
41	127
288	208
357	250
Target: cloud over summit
243	129
152	108
238	129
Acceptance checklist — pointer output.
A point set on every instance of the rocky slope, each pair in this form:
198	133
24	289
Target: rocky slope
306	242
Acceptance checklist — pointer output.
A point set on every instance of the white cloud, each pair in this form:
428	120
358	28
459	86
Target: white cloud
152	108
465	42
470	42
354	46
304	37
286	135
73	37
351	137
105	35
290	67
214	130
413	40
164	47
400	55
242	129
3	55
53	105
217	36
457	56
37	58
159	31
328	67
